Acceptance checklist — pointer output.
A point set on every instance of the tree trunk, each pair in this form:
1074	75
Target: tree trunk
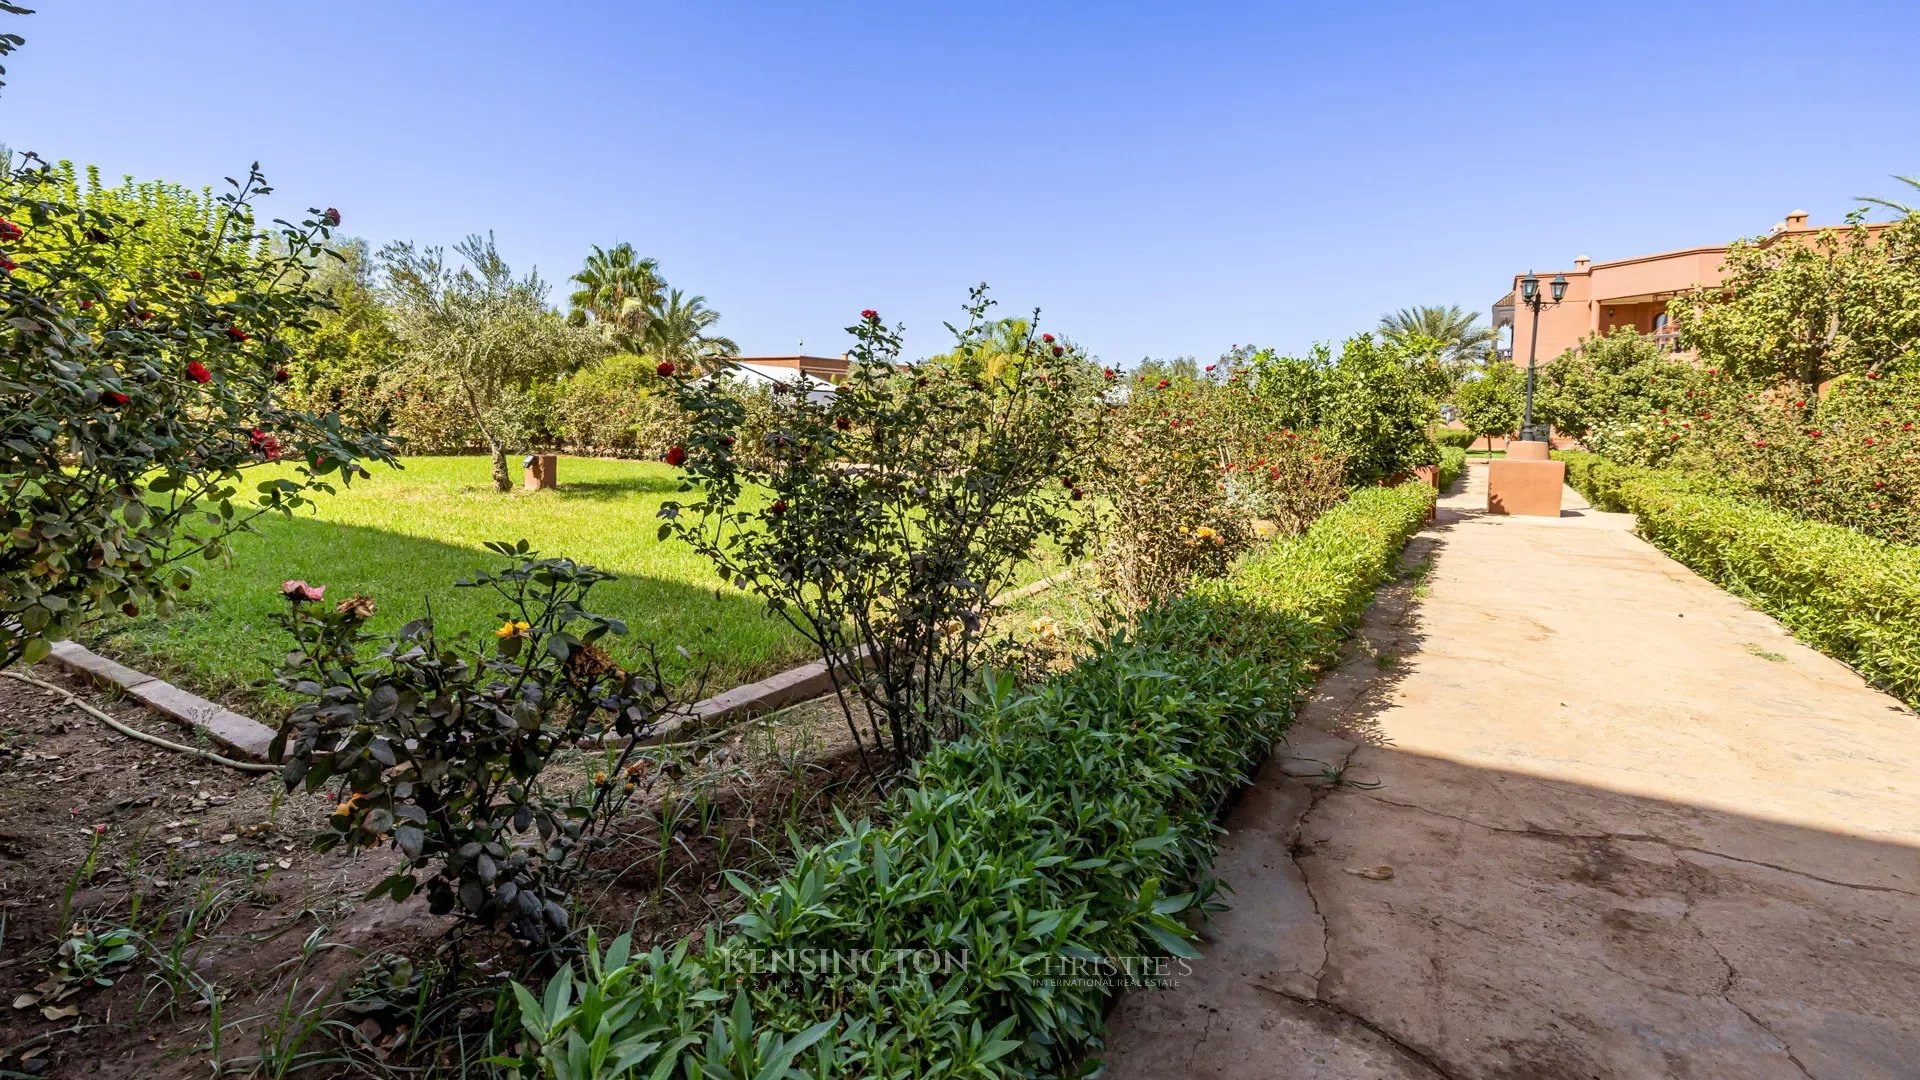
501	481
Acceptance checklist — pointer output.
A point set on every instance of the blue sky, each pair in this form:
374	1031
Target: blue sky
1161	179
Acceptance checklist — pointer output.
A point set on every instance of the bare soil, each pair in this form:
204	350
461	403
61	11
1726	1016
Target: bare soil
240	927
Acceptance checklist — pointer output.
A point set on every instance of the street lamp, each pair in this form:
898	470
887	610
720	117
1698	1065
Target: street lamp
1530	296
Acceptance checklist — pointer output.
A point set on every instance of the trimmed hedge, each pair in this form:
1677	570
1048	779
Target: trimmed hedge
1447	438
1453	462
1845	593
1074	820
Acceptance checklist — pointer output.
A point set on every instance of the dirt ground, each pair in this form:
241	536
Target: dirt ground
240	927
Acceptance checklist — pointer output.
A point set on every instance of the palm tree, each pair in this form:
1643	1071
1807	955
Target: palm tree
678	331
1462	339
1897	207
620	291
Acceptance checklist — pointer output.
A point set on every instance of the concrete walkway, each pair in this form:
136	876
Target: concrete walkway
1593	817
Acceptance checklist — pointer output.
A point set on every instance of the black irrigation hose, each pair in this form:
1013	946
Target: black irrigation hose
155	740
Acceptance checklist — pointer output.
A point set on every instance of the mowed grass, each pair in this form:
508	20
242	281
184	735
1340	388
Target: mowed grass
405	536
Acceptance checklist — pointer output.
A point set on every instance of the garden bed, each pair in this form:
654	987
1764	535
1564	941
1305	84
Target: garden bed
279	929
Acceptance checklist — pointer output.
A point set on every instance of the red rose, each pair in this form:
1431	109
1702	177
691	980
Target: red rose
1869	440
1161	385
280	375
7	266
9	231
143	316
1210	367
237	334
664	368
1074	494
114	397
85	304
1813	433
779	506
198	372
870	315
195	275
728	439
1058	351
331	217
1110	374
843	423
1873	374
676	455
1048	338
1273	473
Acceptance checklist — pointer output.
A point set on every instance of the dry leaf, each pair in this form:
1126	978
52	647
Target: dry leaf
1373	873
60	1012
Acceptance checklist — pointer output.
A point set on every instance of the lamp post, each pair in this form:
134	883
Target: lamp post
1530	296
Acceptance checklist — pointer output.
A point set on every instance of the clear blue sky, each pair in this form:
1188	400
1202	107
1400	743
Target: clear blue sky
1160	178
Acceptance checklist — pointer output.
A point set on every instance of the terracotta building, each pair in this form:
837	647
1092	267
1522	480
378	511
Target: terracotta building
1625	292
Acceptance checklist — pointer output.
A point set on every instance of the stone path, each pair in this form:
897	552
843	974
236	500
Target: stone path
1633	829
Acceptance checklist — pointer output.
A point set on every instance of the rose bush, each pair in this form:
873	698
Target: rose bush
438	747
883	520
139	384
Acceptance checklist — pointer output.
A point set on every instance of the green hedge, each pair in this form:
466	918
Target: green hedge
1845	593
1074	820
1453	437
1453	462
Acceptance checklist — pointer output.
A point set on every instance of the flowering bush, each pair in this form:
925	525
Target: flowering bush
1164	474
1194	471
437	747
138	384
1850	456
882	521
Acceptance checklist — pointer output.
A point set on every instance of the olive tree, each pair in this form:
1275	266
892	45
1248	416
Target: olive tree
480	334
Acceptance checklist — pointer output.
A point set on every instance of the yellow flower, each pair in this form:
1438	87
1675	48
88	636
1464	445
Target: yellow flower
1044	627
511	628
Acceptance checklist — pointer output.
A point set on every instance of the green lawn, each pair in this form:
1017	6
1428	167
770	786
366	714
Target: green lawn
404	536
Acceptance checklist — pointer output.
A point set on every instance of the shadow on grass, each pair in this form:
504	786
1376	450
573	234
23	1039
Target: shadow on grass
225	636
610	489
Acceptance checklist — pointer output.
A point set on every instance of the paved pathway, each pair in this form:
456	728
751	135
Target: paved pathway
1596	818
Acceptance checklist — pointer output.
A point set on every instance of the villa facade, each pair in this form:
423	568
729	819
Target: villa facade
1625	292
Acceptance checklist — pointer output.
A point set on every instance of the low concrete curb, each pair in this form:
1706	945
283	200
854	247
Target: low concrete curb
793	685
243	736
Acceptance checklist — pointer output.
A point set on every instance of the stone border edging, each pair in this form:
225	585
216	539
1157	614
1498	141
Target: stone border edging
249	738
809	680
246	737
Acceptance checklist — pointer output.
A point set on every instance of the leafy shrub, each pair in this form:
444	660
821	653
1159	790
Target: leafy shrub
1071	822
1454	437
140	381
882	521
1851	596
1192	470
1162	470
1453	462
1610	391
1800	311
437	747
1493	401
1850	456
617	405
1371	405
